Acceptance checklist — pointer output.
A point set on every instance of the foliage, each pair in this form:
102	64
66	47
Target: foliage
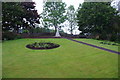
71	17
109	43
10	36
98	18
30	13
25	31
39	30
54	13
18	14
12	16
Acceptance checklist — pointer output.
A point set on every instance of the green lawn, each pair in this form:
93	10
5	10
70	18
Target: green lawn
70	60
97	43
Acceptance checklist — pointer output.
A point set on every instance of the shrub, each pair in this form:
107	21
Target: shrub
25	31
103	37
110	43
113	38
10	36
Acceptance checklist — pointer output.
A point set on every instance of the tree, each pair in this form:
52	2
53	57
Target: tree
18	14
11	16
55	13
30	13
97	18
71	17
44	20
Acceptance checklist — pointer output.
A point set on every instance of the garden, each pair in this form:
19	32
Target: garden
61	41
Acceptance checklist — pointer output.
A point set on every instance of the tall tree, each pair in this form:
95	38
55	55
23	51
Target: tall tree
96	18
44	20
12	14
55	13
71	17
16	15
30	13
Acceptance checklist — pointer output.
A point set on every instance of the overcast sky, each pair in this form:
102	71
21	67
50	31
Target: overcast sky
75	3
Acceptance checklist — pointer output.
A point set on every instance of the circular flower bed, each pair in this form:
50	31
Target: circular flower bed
42	45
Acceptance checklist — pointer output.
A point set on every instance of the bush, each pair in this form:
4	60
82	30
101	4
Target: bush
113	38
10	36
103	37
110	43
25	31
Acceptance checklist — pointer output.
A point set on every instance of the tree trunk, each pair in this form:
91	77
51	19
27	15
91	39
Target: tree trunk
71	28
55	29
57	32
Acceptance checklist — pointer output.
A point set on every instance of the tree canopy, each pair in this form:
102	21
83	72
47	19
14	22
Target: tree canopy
97	18
18	14
54	13
71	17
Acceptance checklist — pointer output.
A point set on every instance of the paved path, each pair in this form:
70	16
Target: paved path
94	46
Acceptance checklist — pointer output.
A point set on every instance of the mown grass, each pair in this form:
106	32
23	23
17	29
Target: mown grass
70	60
97	43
